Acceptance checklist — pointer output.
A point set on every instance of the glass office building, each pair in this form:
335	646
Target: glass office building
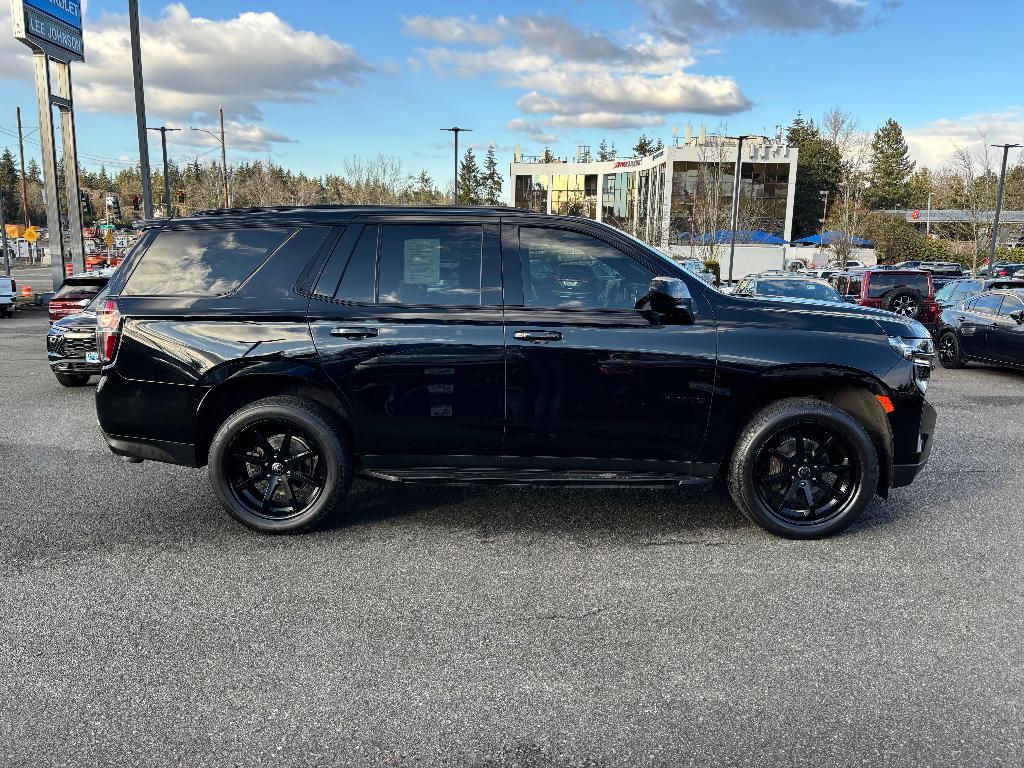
676	196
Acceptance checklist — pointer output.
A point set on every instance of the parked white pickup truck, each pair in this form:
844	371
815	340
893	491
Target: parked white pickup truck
8	290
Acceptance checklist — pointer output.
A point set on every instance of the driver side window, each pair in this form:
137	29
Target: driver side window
570	270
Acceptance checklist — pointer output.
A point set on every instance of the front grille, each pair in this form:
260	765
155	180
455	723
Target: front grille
78	346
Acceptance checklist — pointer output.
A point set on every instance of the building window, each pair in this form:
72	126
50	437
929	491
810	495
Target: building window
574	195
532	193
618	195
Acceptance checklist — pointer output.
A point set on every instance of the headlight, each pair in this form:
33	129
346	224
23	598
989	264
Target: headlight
920	352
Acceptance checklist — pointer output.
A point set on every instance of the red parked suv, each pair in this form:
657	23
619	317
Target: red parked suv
907	292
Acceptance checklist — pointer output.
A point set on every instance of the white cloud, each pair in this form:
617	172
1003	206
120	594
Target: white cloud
932	144
575	77
193	65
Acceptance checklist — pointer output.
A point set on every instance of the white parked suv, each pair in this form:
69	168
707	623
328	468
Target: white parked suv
8	290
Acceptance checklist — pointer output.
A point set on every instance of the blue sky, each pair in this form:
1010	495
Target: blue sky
311	83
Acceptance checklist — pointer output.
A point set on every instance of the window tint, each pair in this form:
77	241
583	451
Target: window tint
987	304
430	264
1011	304
202	263
966	288
880	283
356	282
563	269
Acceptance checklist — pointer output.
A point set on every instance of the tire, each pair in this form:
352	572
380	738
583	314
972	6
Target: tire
906	302
255	474
949	351
833	476
5	311
72	379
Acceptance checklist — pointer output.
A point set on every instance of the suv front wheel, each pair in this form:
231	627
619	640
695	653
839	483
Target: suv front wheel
803	469
280	465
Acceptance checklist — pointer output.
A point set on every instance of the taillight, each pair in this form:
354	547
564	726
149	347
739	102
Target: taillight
108	330
14	286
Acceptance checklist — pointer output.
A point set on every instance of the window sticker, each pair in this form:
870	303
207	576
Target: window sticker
423	261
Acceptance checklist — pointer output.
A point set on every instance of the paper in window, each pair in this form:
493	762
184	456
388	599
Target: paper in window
422	261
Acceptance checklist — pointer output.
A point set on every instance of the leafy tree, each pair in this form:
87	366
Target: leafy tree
603	153
492	182
644	146
918	188
10	180
470	179
819	168
889	177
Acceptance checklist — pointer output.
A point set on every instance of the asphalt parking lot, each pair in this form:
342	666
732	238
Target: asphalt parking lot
435	626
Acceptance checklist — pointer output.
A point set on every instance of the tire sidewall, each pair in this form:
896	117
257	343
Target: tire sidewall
958	360
338	465
892	296
762	429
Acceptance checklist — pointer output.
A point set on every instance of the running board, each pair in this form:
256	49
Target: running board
589	479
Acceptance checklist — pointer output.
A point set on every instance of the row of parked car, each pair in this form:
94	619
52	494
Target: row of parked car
972	319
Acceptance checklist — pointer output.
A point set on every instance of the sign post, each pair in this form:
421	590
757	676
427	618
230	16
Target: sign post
53	30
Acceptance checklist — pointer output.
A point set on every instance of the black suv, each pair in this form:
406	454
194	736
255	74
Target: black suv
290	349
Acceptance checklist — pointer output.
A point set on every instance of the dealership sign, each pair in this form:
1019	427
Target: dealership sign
628	163
52	26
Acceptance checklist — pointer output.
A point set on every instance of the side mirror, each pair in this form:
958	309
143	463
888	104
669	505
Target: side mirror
670	296
1018	316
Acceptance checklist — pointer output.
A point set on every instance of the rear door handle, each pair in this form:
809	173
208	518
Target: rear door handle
346	332
538	336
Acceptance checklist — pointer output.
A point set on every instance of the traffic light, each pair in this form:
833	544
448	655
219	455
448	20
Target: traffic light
181	197
87	208
116	208
136	203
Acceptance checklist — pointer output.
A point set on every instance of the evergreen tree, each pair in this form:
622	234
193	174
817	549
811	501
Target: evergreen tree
469	179
614	153
492	182
603	153
643	147
918	187
10	180
659	146
819	168
547	157
888	185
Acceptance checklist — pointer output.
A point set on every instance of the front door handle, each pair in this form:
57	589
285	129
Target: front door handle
538	336
346	332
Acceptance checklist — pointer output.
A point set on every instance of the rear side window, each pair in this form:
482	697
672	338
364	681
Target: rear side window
78	291
357	281
987	304
880	283
202	262
437	265
1011	304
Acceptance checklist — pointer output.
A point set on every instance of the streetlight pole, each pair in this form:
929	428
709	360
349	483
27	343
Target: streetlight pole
223	154
824	216
999	206
455	185
736	199
140	110
167	179
24	180
928	221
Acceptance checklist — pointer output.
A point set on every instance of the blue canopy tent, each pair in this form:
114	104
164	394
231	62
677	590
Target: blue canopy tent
827	238
743	237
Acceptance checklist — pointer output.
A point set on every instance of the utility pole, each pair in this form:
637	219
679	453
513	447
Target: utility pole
736	198
223	155
140	110
928	221
167	179
24	181
224	160
999	205
455	186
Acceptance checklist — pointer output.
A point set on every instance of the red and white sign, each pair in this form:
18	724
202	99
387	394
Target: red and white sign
915	214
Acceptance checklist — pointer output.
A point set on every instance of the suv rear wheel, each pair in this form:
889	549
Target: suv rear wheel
281	465
72	379
803	469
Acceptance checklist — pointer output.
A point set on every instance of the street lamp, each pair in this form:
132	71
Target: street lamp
455	184
736	196
999	205
824	215
167	180
223	154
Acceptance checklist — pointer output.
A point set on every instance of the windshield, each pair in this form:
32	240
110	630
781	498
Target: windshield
797	289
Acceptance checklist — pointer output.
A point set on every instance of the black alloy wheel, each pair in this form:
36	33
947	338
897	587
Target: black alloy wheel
275	469
803	468
281	464
806	474
949	351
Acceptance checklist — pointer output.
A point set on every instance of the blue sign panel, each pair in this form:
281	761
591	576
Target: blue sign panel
68	11
59	40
